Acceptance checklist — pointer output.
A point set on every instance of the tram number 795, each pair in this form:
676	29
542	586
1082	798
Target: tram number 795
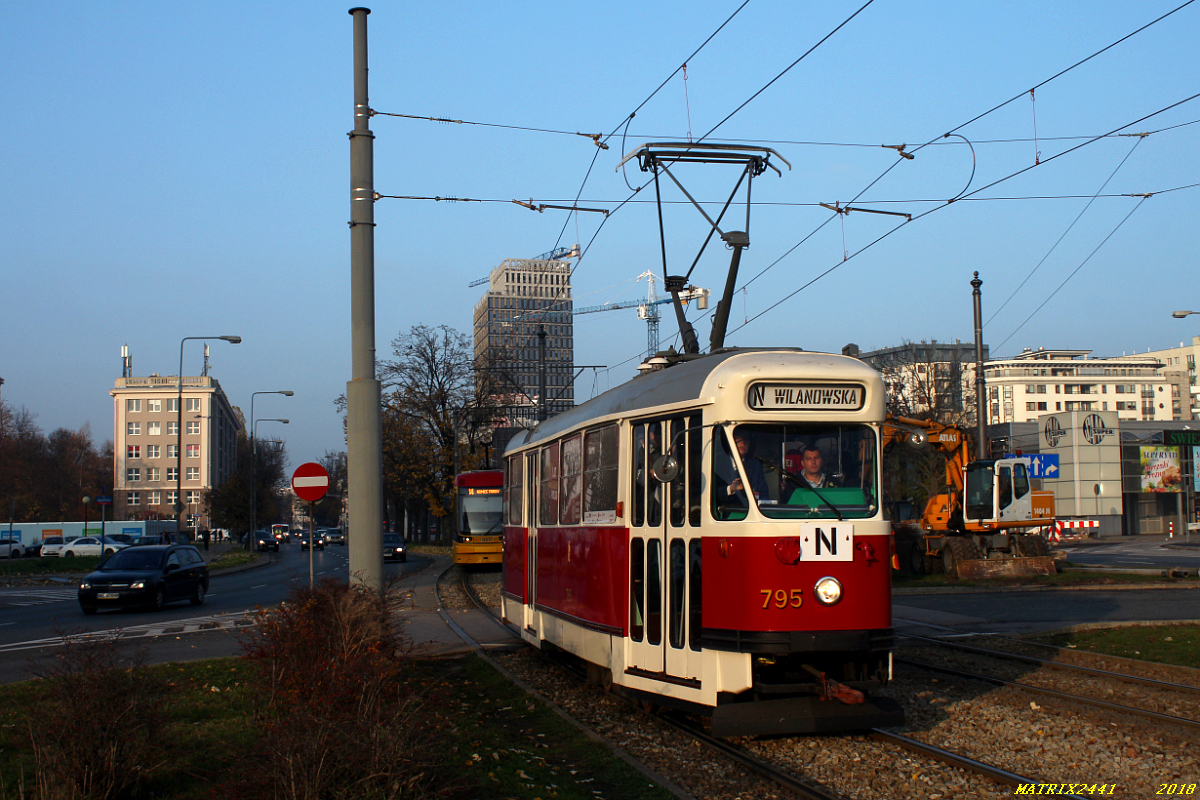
781	598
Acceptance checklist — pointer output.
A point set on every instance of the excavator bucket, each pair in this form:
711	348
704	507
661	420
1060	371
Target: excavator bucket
983	568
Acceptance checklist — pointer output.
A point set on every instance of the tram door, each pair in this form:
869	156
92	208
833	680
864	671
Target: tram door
664	551
531	488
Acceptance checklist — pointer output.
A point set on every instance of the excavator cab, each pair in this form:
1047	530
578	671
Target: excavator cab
998	490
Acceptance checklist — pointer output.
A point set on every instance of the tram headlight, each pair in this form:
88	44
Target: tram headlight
828	591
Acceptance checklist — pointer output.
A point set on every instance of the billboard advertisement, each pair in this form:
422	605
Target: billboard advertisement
1160	469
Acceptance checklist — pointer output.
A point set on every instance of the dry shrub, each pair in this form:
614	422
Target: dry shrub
334	718
96	729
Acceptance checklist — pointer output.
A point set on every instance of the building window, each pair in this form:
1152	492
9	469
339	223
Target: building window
193	497
1058	406
172	474
1041	388
133	498
133	474
133	429
193	428
153	498
152	474
193	473
172	451
172	429
152	451
153	428
193	451
133	451
1041	407
133	405
154	405
173	405
172	497
191	404
1031	406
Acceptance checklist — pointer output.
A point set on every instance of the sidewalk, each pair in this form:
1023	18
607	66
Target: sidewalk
431	628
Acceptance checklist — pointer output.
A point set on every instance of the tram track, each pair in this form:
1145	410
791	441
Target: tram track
1140	694
770	770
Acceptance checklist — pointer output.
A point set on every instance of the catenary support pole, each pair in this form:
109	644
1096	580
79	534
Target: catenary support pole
980	388
364	427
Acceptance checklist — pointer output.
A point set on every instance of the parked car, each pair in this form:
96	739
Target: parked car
318	540
11	547
123	538
148	575
158	538
90	546
33	550
335	536
266	541
394	548
52	546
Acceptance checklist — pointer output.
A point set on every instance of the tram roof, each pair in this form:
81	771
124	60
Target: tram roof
687	381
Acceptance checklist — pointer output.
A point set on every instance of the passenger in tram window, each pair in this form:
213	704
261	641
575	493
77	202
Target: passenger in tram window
732	489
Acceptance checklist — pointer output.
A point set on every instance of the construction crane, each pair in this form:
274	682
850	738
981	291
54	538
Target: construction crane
557	254
648	308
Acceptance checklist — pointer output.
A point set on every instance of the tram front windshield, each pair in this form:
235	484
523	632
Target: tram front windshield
796	471
481	511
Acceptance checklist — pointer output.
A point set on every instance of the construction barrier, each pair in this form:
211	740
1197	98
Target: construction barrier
1071	530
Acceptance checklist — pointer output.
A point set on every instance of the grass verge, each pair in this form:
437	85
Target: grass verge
234	558
1166	644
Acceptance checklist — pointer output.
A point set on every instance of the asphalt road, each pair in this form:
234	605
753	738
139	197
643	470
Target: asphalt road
34	620
1135	552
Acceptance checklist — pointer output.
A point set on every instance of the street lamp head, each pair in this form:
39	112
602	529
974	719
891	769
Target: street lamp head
284	421
287	393
231	339
1182	314
86	499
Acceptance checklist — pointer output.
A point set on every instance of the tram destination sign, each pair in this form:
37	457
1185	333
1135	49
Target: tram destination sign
805	397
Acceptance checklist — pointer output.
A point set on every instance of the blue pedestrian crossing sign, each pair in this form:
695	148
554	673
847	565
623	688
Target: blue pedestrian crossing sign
1043	465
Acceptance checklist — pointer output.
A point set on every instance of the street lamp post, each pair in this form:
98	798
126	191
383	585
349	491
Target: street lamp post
87	501
179	506
253	486
253	450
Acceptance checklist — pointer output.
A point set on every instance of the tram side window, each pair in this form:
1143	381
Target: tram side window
548	496
677	497
654	591
514	488
637	588
694	620
639	476
694	471
600	475
678	577
572	480
654	499
531	485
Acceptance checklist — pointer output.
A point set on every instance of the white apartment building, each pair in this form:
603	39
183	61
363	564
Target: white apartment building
1036	382
1183	359
146	441
522	295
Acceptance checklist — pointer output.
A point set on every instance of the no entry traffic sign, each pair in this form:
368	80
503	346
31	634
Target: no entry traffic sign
310	482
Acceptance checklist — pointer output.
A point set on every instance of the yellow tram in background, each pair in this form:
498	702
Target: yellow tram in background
479	517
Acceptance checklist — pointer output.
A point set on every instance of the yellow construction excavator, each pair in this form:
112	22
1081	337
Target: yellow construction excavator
984	524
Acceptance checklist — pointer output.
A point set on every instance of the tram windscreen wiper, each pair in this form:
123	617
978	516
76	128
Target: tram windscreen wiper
809	487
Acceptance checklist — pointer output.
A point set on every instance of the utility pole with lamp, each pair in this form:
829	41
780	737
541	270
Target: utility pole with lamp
180	507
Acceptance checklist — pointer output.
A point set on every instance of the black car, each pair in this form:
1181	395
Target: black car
393	547
318	541
266	541
146	575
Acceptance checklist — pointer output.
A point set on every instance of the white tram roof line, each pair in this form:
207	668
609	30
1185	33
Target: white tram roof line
690	382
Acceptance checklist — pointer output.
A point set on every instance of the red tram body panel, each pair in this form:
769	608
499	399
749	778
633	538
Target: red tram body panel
710	537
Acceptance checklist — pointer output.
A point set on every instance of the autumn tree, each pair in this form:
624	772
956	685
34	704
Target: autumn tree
327	512
436	394
229	503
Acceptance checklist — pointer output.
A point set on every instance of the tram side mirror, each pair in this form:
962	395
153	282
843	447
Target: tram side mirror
665	468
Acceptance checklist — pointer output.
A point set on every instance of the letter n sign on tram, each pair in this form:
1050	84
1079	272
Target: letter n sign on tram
310	482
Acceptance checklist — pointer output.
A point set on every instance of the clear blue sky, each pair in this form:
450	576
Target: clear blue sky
182	169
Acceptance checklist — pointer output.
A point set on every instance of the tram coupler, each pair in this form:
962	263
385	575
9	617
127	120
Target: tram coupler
832	690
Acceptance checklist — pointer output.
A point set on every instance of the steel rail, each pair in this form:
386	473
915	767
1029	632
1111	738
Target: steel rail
954	759
1139	712
1101	673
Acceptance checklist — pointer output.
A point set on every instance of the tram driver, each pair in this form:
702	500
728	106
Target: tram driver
811	474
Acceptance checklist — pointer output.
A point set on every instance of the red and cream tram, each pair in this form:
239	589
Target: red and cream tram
747	577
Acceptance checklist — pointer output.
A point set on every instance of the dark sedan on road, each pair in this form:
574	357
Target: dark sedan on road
267	542
318	541
147	575
393	548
